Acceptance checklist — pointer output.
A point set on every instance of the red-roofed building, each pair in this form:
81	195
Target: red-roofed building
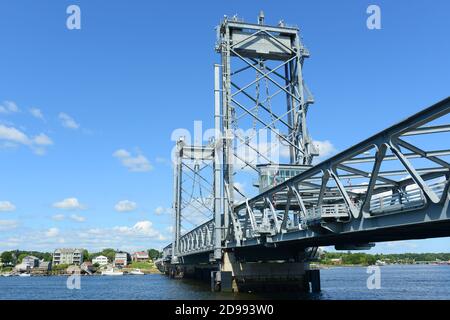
140	256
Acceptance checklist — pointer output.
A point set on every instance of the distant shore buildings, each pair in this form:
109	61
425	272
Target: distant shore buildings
32	263
28	263
68	256
67	261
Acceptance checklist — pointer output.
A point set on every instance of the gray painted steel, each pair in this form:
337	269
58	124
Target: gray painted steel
391	186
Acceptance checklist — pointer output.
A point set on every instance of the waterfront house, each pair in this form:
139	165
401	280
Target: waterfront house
141	256
101	260
68	256
30	261
44	266
121	259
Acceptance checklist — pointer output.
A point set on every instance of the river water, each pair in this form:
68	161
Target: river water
346	283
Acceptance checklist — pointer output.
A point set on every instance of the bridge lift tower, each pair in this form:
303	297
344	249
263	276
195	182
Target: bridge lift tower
259	87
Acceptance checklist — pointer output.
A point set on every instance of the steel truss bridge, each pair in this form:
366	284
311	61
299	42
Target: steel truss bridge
391	186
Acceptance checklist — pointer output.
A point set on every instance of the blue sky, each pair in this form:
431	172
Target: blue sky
85	132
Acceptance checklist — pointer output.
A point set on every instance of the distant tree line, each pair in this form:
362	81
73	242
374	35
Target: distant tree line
349	258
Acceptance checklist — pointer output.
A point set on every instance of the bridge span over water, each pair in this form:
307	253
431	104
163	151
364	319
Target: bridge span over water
391	186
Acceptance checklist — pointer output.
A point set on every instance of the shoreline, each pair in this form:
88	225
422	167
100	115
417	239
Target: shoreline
82	275
330	266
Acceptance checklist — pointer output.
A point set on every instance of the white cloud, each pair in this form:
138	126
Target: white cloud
161	210
6	206
9	107
141	229
69	204
8	224
325	148
162	160
139	163
275	150
52	232
14	136
67	121
128	238
37	113
170	229
77	218
125	206
401	244
42	140
58	217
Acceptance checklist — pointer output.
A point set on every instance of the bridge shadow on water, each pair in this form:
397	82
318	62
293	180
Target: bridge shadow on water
202	290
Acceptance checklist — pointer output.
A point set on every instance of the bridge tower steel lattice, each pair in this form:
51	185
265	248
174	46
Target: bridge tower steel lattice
275	55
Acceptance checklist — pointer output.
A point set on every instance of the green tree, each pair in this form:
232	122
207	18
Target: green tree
47	256
60	267
7	257
109	253
21	256
154	254
86	256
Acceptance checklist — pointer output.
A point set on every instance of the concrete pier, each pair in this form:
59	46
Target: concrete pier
259	269
261	276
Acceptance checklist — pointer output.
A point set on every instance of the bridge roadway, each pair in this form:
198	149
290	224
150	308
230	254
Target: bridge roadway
391	186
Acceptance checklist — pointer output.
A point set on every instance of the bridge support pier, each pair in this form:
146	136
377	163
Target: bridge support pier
239	276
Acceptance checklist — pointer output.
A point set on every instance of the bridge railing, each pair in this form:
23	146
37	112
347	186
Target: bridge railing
408	200
167	253
326	211
200	239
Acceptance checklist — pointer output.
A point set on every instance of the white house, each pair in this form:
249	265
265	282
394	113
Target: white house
101	260
30	261
121	259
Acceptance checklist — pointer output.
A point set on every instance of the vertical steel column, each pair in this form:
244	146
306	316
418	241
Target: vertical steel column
177	201
227	128
290	103
217	167
306	157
